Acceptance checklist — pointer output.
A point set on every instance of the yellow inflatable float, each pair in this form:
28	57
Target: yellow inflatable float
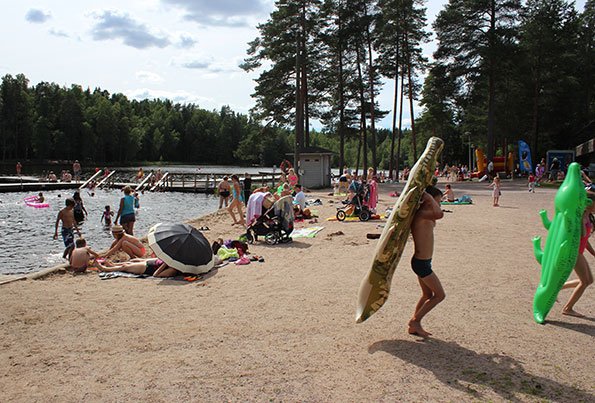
375	286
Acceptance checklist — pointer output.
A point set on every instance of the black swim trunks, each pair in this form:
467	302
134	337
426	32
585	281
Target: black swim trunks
224	193
421	267
126	218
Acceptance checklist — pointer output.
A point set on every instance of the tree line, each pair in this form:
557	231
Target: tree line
503	70
50	122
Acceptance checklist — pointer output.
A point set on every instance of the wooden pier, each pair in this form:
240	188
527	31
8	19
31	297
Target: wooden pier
169	182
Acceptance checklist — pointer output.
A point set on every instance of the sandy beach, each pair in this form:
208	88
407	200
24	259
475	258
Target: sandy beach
284	329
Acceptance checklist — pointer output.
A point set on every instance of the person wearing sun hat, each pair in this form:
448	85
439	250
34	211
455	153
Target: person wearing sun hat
124	242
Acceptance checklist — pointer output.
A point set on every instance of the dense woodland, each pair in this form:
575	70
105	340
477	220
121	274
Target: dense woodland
503	70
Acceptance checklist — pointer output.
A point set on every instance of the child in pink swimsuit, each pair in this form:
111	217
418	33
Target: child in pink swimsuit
581	268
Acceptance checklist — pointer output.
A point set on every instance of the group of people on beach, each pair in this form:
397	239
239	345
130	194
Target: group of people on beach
362	186
72	216
234	195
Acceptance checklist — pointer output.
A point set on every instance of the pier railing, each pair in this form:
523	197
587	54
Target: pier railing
198	182
206	182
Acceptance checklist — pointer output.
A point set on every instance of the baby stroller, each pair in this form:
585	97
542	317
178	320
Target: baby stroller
275	223
356	206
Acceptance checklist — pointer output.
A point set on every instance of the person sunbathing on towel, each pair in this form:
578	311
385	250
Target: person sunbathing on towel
149	267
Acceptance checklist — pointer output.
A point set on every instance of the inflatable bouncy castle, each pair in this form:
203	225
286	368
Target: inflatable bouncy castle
501	164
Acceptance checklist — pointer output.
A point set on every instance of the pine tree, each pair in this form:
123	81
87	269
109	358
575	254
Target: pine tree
548	51
472	36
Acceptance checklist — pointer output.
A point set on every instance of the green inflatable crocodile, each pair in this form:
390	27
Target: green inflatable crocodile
561	248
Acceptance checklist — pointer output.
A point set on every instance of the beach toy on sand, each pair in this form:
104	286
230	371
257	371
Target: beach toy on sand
375	286
559	256
31	201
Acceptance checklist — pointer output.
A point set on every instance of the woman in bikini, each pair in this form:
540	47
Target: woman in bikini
581	267
124	242
292	178
237	202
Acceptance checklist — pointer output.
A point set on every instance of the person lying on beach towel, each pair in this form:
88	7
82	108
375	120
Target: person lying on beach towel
148	267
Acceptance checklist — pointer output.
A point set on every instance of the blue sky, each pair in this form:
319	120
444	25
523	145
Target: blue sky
184	50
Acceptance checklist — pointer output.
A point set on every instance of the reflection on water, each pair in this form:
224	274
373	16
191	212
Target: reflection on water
26	232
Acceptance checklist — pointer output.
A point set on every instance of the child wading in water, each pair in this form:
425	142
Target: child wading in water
581	268
106	217
422	229
496	192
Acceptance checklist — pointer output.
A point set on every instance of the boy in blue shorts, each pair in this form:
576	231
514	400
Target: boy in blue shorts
66	215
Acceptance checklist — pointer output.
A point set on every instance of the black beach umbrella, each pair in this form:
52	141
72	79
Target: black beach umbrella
182	247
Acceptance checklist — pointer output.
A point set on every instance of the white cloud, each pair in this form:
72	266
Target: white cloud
206	63
37	16
148	77
117	25
186	41
58	33
179	96
221	13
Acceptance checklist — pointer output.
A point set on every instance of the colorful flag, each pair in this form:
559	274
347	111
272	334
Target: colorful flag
525	157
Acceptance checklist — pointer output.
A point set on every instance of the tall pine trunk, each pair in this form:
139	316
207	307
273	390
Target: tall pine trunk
392	141
394	128
362	101
304	78
299	120
535	128
491	83
413	139
400	122
372	105
341	109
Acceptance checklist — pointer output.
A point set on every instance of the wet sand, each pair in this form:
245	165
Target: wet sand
284	330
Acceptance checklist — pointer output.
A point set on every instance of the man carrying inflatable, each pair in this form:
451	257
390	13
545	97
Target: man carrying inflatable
422	230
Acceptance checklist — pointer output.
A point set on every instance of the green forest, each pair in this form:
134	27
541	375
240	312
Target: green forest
503	70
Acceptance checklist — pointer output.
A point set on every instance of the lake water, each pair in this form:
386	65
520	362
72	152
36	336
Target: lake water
26	232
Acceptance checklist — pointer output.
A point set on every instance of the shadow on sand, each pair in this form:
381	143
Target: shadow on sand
585	328
458	367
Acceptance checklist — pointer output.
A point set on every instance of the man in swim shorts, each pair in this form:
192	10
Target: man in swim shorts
422	229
